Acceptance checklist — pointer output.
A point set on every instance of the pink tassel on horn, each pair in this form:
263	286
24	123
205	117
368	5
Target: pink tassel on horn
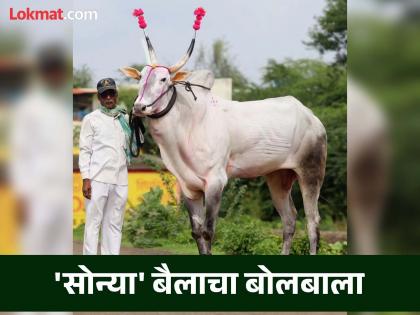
139	14
199	14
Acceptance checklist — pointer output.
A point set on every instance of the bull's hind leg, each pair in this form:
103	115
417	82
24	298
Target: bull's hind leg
280	184
310	176
310	193
197	215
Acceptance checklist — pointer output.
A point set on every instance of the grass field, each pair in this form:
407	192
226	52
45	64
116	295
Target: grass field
330	233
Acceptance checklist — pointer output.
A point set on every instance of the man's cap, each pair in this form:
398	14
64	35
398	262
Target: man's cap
106	84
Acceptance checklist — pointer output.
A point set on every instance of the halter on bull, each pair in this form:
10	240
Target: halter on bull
205	140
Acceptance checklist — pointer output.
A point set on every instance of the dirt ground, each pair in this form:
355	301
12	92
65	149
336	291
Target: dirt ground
78	250
334	236
215	313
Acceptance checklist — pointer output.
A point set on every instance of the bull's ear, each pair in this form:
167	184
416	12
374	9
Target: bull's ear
131	72
180	76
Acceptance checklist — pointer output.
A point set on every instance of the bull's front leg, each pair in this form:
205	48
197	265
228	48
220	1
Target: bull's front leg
196	213
213	198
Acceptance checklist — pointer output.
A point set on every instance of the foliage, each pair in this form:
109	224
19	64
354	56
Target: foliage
337	248
269	246
243	235
313	82
232	198
82	77
152	221
127	96
220	63
167	179
257	200
239	237
300	246
330	34
334	189
385	63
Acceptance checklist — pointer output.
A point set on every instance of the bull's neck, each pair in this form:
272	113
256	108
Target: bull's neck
181	119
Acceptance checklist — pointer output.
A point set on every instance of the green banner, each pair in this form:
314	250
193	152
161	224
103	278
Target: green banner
215	283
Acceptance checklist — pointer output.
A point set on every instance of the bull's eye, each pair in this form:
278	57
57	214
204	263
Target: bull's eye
163	80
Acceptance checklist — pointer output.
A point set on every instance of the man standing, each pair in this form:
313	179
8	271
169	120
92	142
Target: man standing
103	160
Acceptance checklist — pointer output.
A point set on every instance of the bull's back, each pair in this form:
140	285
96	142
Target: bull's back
264	134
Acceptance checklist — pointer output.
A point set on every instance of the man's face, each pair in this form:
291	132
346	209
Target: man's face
108	98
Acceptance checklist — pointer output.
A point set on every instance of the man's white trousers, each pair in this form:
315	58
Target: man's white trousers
105	211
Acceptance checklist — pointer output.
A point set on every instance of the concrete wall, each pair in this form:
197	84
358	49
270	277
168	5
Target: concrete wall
223	88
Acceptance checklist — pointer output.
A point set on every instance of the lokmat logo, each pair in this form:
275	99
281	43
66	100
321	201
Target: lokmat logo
50	15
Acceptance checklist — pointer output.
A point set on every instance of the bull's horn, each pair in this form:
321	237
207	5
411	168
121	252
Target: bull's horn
152	54
138	13
184	59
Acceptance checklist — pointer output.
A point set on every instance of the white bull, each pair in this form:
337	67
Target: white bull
206	141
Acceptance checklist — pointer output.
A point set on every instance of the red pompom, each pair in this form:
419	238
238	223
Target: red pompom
200	11
138	12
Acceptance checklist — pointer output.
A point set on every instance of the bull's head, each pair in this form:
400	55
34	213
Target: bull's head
156	80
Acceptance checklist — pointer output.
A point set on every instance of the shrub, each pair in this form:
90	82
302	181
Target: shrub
239	237
184	237
233	194
338	248
152	221
269	246
300	246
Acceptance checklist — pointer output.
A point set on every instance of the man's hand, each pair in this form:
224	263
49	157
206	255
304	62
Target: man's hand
87	189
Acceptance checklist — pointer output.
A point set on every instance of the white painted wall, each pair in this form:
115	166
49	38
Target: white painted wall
223	88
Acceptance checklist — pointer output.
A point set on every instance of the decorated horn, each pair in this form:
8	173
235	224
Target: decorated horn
142	24
184	59
199	14
153	59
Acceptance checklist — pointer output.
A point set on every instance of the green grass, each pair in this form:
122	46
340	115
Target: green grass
175	248
166	245
79	232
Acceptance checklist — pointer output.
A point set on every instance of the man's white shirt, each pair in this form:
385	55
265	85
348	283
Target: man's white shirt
102	149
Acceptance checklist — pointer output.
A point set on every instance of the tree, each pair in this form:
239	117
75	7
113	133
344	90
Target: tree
330	34
221	64
313	82
82	77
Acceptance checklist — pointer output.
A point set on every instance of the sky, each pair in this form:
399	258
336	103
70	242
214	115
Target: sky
255	31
